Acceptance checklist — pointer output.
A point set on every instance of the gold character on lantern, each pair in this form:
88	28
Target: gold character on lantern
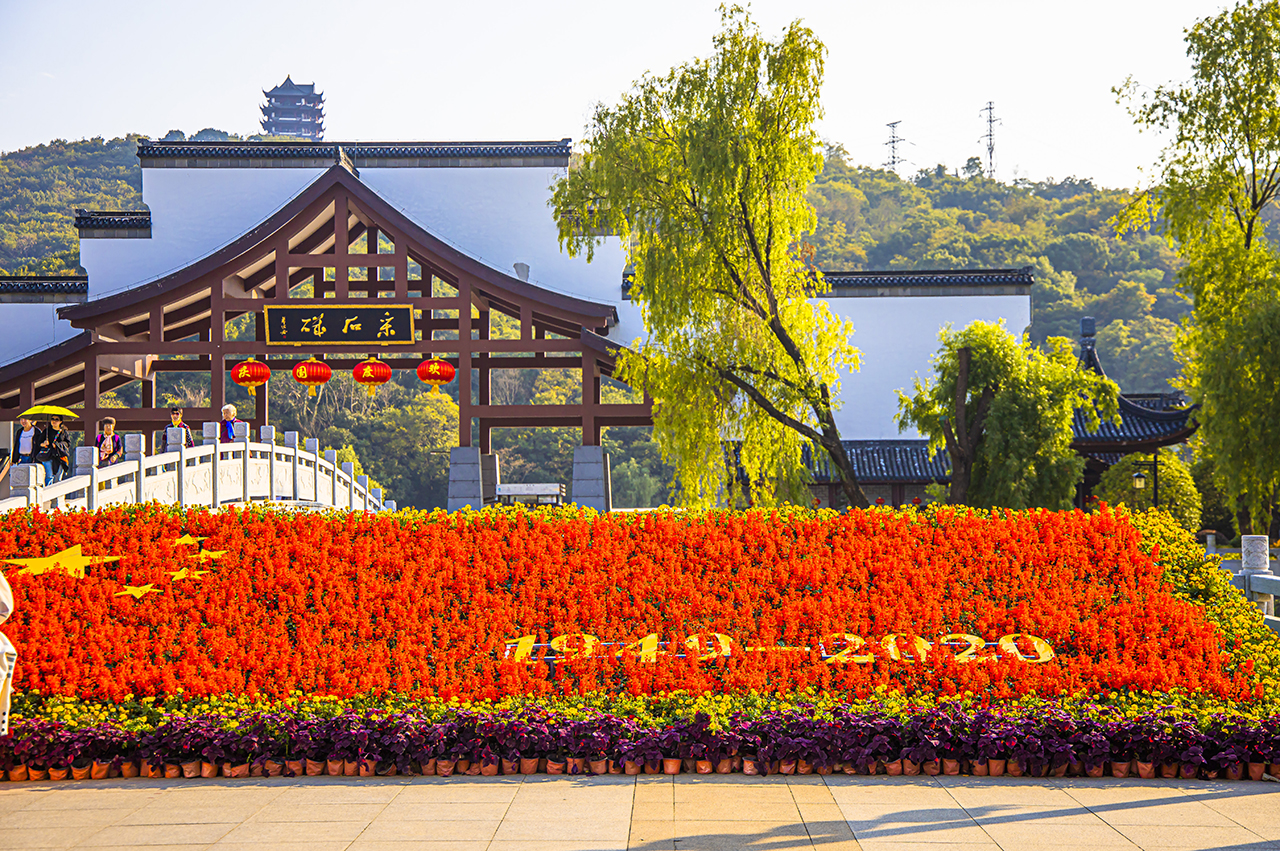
302	371
243	371
352	324
368	372
386	330
314	325
434	368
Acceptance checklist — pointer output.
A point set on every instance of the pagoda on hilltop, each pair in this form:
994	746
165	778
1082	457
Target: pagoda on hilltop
294	109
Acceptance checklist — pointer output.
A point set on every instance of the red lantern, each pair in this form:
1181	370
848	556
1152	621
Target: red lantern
372	373
251	374
311	373
436	372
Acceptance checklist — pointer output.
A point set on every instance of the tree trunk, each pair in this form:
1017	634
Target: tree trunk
848	477
962	442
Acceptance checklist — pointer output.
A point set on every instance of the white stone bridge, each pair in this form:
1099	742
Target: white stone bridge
213	474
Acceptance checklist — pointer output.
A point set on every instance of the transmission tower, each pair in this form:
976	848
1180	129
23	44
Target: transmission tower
894	141
990	138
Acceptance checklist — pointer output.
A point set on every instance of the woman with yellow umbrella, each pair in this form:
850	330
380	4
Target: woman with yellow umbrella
54	449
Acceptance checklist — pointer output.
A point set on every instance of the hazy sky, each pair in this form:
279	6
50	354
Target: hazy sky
502	70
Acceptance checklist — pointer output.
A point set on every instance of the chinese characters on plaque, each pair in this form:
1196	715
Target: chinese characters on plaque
302	325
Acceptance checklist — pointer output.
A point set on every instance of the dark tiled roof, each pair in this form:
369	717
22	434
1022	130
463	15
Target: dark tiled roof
289	87
944	278
99	219
42	284
879	461
1138	426
365	150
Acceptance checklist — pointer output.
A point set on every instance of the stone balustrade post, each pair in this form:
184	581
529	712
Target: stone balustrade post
267	435
363	482
390	505
1255	560
291	442
86	460
313	447
26	481
376	493
177	437
241	433
133	447
331	456
212	436
349	470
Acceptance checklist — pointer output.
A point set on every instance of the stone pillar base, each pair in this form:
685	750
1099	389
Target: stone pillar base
592	486
473	478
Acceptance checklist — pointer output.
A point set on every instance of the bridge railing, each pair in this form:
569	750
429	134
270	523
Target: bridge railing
214	474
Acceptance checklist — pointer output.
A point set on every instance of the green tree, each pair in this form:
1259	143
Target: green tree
1003	410
1178	493
702	173
1220	173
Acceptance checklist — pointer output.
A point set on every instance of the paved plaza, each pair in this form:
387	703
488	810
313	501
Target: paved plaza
649	813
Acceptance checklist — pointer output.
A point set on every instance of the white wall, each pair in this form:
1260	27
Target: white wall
897	337
500	217
28	328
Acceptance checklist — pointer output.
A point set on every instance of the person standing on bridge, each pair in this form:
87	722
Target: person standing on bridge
55	451
175	421
29	440
110	445
227	428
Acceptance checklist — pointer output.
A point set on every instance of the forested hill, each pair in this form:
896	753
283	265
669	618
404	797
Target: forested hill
869	219
874	220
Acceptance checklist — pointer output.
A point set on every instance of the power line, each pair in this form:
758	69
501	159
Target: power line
990	138
894	140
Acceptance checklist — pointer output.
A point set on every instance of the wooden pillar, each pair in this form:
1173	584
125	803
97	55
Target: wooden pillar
217	333
282	269
148	401
341	246
401	268
590	400
464	361
91	397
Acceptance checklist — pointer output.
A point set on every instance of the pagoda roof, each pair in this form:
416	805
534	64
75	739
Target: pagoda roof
152	150
939	278
289	87
885	462
44	285
107	219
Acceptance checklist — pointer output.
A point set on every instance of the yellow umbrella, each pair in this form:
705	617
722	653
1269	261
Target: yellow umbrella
48	411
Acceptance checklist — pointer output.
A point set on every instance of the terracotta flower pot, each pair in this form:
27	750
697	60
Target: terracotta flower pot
803	766
788	766
630	768
462	766
737	762
428	768
1274	769
850	768
951	767
100	770
775	767
333	767
294	768
173	770
725	766
1121	769
274	768
1075	769
315	767
81	773
598	766
190	769
18	772
1256	770
385	768
1060	771
671	766
653	766
37	773
1146	770
1094	770
822	769
980	768
1234	771
129	768
1013	768
510	766
256	770
1169	769
575	765
59	773
529	765
909	768
750	766
688	765
555	767
244	769
350	768
1188	771
1211	773
150	771
996	767
704	766
894	768
932	768
366	767
208	769
444	767
489	769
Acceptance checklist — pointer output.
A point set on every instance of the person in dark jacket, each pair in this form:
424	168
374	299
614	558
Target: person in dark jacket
175	421
55	452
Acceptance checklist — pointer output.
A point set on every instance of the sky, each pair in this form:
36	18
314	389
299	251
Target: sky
400	70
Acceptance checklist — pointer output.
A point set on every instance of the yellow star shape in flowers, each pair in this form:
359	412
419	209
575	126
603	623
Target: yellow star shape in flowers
70	561
208	555
137	591
186	573
187	539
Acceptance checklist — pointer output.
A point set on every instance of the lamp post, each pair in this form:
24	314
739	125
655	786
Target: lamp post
1140	478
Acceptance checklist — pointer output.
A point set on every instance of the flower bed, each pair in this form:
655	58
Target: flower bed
435	605
950	739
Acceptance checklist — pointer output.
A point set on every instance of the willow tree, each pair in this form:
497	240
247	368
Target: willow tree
1003	410
702	173
1219	179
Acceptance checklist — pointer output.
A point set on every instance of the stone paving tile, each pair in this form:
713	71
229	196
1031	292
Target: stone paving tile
738	835
382	845
645	811
553	845
1034	833
161	813
61	818
811	793
318	845
442	811
1012	814
729	809
286	831
1178	812
910	791
42	837
145	835
900	823
91	799
472	830
1148	836
376	793
924	845
477	793
317	812
970	792
607	830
